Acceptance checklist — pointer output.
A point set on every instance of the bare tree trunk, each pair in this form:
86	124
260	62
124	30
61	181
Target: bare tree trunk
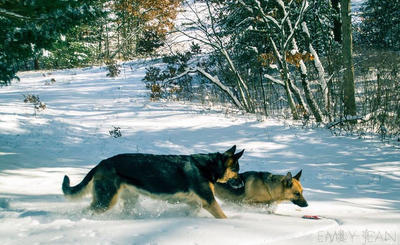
288	83
337	26
284	72
107	43
318	66
306	87
310	99
263	94
297	94
347	51
36	64
244	90
289	95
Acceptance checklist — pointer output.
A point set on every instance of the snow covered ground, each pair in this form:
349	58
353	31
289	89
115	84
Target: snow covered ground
353	184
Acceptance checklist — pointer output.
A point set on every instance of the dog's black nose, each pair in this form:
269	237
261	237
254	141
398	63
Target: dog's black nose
300	203
305	204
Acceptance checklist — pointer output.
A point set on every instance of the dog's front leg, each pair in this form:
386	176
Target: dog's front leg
214	209
206	194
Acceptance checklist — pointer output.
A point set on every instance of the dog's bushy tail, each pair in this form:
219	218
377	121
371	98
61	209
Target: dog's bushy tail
81	189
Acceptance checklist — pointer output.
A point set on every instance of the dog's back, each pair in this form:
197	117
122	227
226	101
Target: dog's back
155	173
164	176
264	188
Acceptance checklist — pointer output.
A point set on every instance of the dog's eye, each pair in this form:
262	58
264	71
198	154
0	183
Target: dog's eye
297	194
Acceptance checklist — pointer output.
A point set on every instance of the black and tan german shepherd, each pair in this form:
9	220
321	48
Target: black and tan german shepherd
264	188
184	178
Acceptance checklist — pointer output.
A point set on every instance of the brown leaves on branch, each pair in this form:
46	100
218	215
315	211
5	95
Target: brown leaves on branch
156	15
267	59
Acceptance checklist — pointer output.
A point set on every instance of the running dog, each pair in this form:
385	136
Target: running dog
175	178
264	188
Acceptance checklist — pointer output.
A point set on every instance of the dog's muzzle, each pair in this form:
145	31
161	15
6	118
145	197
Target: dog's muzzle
236	183
301	203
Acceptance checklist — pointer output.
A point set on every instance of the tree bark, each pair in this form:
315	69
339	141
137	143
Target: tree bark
263	94
347	51
36	64
319	67
337	26
289	95
316	111
244	90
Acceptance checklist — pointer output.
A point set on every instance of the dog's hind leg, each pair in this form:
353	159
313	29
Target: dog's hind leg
129	198
194	203
105	195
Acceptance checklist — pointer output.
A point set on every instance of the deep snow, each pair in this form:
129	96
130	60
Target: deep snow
352	183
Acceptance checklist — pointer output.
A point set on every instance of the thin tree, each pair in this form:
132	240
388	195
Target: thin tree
347	51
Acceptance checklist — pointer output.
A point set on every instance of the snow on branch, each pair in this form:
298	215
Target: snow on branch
274	80
303	10
211	78
7	13
266	17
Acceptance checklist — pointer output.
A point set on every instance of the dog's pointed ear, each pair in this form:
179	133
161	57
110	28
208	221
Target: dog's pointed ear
287	180
238	155
231	151
298	175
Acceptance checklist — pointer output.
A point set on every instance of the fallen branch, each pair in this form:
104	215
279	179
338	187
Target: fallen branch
343	120
365	118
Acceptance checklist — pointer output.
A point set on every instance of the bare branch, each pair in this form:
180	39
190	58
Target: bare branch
266	17
213	79
286	13
274	80
206	42
9	14
304	8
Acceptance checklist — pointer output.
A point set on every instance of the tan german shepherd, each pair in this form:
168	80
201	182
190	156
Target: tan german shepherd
264	188
185	178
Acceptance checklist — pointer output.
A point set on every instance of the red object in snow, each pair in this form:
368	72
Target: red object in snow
311	217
